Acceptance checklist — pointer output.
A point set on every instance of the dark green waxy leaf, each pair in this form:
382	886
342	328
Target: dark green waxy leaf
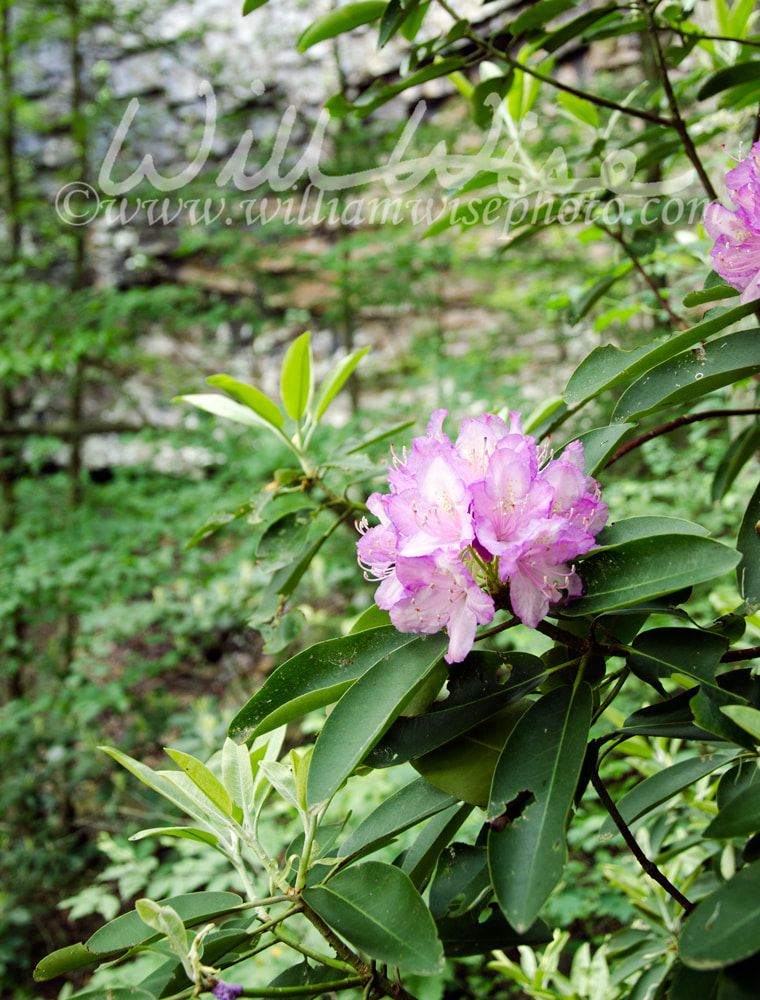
249	396
460	880
404	809
712	294
730	76
340	20
629	528
474	694
661	652
748	543
285	538
601	443
366	711
390	22
464	767
692	374
712	707
469	935
660	787
725	927
638	570
422	857
744	775
531	796
672	718
129	930
295	377
739	452
740	817
538	14
378	910
314	678
609	366
68	959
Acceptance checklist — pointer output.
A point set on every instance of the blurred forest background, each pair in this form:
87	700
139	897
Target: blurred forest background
113	630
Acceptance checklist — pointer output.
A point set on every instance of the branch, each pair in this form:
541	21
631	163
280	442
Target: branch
751	653
671	425
648	866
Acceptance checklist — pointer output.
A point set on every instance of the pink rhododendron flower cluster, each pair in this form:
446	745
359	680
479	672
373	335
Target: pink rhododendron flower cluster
736	254
489	516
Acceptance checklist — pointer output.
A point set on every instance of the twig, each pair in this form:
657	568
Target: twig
672	425
751	653
648	866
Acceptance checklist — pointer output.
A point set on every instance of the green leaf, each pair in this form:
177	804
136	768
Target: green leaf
413	22
672	718
220	406
746	717
740	818
460	880
660	652
184	832
711	294
405	808
738	453
129	930
474	695
251	5
580	108
608	366
237	773
340	20
647	526
537	15
539	768
688	984
217	521
748	543
295	378
68	959
660	787
601	443
378	910
464	766
648	567
421	858
730	76
725	927
315	677
366	711
167	922
284	539
374	98
335	381
692	374
249	396
390	22
205	780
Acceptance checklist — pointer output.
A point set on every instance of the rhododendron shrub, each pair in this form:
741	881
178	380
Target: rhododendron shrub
490	520
526	647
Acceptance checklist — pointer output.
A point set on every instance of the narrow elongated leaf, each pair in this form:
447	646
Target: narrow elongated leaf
460	880
249	396
366	711
63	960
538	15
609	366
378	910
374	98
203	778
183	832
601	443
692	374
295	378
739	452
740	818
404	809
746	717
672	718
251	5
315	677
730	76
712	294
660	787
472	699
422	857
220	406
661	652
648	567
335	381
129	930
647	526
536	777
340	20
725	927
748	543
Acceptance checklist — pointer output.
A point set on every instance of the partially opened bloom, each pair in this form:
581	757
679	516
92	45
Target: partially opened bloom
489	519
736	253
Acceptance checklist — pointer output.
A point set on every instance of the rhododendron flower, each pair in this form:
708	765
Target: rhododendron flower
488	520
736	254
